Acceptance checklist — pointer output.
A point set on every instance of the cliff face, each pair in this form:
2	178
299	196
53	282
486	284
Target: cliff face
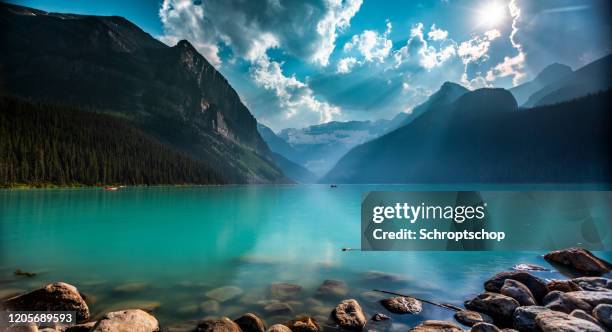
110	65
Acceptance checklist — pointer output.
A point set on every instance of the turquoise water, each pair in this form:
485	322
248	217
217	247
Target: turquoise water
172	245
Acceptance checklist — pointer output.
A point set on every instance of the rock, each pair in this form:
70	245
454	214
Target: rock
132	287
134	320
210	307
437	326
578	260
524	318
10	292
379	317
382	277
370	296
469	318
565	302
284	291
554	321
332	289
529	267
485	327
52	297
592	298
499	307
21	273
402	305
349	315
278	309
22	328
583	315
223	294
592	283
222	324
563	286
250	323
146	305
603	313
536	286
188	309
85	327
278	328
517	291
304	324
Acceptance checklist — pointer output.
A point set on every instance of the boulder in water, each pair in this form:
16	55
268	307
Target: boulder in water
579	260
222	324
436	326
499	307
402	305
127	320
517	291
469	318
332	289
349	315
564	302
249	322
554	321
536	285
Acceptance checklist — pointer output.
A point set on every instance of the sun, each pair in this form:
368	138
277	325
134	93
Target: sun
492	14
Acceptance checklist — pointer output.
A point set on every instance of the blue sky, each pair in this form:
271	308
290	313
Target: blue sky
301	62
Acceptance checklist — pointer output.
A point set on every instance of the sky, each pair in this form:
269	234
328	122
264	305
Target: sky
296	63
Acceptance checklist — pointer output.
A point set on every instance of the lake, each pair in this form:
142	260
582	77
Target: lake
167	248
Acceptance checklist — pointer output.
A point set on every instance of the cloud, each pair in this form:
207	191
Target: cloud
477	48
437	34
372	45
345	65
418	51
338	17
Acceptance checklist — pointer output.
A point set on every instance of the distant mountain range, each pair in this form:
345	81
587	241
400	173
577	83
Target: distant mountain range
549	75
109	65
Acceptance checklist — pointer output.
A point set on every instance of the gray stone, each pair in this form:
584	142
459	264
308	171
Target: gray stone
222	324
223	294
499	307
437	326
555	321
524	318
536	285
518	291
134	320
592	283
583	315
603	313
249	322
349	315
469	318
579	260
402	305
380	317
565	302
593	298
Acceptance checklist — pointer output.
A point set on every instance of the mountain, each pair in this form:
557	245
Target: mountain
44	144
589	79
482	138
277	144
551	74
108	64
294	171
448	93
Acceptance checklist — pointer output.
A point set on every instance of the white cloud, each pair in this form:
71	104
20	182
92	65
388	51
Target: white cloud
418	51
477	48
338	17
345	65
372	45
437	34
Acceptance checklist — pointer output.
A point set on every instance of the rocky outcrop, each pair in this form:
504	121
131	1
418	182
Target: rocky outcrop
249	322
565	302
402	305
524	318
469	318
536	285
436	326
555	321
603	313
517	291
578	260
499	307
349	315
134	320
222	324
58	296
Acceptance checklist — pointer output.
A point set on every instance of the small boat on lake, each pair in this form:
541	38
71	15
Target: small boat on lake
111	188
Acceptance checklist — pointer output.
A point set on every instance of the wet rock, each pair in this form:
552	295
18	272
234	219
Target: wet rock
85	327
380	317
469	318
349	315
278	309
524	318
52	297
304	324
222	324
529	267
554	321
284	291
499	307
485	327
592	298
402	305
278	328
332	289
563	286
536	285
21	273
225	293
249	322
10	292
578	260
603	313
210	307
132	287
437	326
127	320
583	315
517	291
565	302
592	283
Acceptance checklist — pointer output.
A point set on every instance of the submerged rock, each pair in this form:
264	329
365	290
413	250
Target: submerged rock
536	285
225	293
402	305
499	307
349	315
524	318
278	309
554	321
485	327
382	277
469	318
603	313
579	260
565	302
304	324
222	324
380	317
332	289
436	326
517	291
52	297
284	291
563	286
249	322
529	267
132	287
134	320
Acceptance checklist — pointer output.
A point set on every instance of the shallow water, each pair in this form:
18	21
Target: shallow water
164	248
